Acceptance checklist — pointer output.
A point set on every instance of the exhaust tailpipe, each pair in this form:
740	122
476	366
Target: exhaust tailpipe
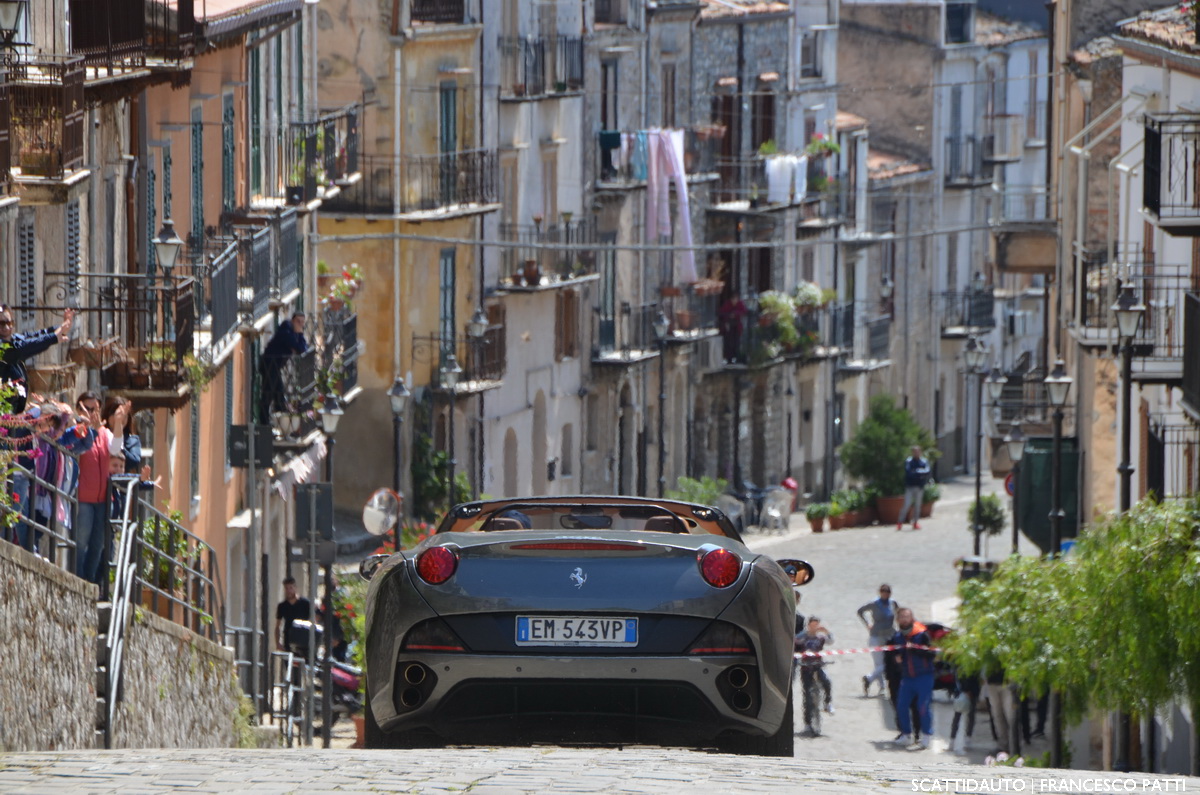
410	697
738	677
741	700
414	674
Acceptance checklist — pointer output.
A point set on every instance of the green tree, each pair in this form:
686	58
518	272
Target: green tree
701	492
876	453
1115	625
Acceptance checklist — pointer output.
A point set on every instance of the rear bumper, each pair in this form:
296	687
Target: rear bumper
477	698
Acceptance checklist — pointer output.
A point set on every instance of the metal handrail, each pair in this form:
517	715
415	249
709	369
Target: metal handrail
124	571
61	540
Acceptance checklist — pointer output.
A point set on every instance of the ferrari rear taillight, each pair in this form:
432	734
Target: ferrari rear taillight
721	638
432	635
720	568
436	565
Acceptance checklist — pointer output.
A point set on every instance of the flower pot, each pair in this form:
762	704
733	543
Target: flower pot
533	276
360	729
837	522
139	379
669	290
817	525
888	508
685	319
927	509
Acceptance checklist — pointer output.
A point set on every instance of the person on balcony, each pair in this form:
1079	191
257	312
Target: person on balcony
288	341
730	317
19	347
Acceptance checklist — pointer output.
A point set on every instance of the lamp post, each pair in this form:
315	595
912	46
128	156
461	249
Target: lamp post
1015	443
331	414
1129	311
1058	387
994	381
167	245
976	356
450	373
10	17
662	328
477	327
398	396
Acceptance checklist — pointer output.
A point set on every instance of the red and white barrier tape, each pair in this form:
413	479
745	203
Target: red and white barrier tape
831	652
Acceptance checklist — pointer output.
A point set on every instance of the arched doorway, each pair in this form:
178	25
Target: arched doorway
540	442
510	464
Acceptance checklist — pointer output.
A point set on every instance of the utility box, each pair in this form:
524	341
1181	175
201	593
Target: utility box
1033	489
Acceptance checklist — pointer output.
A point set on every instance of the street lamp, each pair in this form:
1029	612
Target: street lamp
398	396
1058	388
477	327
1014	442
10	16
1129	311
662	328
450	373
331	414
167	246
976	357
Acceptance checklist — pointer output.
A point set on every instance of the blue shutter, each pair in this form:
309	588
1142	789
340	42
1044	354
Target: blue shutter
228	185
446	289
26	268
198	178
73	251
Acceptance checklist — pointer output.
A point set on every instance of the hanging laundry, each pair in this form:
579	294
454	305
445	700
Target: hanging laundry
639	155
800	177
780	178
665	162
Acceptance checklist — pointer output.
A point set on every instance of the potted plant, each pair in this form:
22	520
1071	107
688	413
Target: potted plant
820	146
816	513
875	455
836	516
533	276
932	493
989	514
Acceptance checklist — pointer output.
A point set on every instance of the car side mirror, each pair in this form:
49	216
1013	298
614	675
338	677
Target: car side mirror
800	572
370	565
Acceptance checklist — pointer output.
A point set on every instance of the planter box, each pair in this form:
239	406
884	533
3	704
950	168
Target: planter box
927	509
888	509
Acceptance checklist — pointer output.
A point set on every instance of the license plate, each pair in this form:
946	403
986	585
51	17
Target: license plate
576	631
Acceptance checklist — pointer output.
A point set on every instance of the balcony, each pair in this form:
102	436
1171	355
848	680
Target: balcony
1024	234
536	67
965	312
151	359
1191	361
322	155
623	155
625	335
1159	344
483	361
537	263
1171	186
46	115
439	12
1096	289
1004	138
964	164
692	309
431	185
5	141
329	366
117	37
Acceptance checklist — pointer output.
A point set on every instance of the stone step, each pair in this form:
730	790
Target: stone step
98	740
101	681
103	616
101	712
102	649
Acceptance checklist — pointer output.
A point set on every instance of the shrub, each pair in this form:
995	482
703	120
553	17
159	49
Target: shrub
817	510
876	453
704	491
991	515
932	493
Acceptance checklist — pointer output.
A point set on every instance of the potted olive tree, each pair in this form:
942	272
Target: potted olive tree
875	455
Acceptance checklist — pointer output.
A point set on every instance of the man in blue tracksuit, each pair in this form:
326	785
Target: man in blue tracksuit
916	677
916	472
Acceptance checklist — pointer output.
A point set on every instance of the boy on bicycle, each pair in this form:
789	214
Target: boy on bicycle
809	644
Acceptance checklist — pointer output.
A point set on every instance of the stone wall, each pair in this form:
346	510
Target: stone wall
47	682
179	689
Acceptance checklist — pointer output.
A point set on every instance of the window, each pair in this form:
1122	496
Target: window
608	95
256	136
566	324
668	95
26	268
568	451
960	22
610	12
197	177
446	293
166	182
228	179
810	63
763	118
550	185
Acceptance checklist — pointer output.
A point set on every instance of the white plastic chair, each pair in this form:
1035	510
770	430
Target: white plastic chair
777	507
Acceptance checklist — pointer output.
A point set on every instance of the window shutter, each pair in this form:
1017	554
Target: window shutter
26	268
73	251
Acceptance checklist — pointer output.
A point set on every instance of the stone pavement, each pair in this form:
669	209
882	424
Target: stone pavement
506	771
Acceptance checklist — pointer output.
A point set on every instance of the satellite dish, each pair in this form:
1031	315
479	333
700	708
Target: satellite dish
382	512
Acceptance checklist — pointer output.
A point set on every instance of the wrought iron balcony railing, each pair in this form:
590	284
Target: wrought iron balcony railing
1021	204
441	12
119	35
1096	289
1191	353
693	311
328	367
964	163
535	66
971	308
483	361
5	140
625	334
322	153
1159	343
46	116
427	183
538	263
1171	185
623	155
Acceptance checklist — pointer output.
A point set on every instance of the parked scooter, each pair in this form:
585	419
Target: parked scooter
346	697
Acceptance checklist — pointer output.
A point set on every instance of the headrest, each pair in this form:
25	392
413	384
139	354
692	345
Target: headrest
504	523
663	524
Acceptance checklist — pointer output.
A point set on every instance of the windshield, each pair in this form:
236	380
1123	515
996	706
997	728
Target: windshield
551	517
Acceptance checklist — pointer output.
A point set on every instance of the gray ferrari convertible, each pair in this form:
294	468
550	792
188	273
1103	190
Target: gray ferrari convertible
590	620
